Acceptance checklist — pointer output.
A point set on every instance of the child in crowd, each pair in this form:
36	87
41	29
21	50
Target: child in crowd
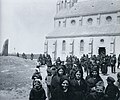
98	94
37	74
37	92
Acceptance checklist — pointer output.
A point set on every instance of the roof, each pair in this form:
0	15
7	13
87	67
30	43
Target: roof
108	30
90	7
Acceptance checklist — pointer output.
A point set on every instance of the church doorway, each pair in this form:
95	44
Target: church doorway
101	50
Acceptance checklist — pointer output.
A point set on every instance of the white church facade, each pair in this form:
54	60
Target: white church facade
85	27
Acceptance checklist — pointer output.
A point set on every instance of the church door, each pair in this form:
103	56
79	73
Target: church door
101	50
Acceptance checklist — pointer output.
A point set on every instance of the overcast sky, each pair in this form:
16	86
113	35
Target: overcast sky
25	23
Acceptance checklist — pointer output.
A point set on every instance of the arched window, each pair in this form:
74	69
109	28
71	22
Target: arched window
63	45
59	24
89	21
108	19
81	45
73	22
102	40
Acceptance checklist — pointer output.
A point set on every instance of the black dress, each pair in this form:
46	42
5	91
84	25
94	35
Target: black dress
37	94
58	94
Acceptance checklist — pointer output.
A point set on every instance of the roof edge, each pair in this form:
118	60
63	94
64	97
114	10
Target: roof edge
88	35
88	14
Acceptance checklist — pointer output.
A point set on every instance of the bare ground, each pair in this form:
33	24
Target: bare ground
15	78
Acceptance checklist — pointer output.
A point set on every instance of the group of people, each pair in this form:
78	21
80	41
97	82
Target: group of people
24	56
65	80
44	60
101	61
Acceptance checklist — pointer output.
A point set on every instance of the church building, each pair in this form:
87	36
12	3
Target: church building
84	27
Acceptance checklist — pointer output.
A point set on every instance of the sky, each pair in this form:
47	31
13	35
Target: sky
26	23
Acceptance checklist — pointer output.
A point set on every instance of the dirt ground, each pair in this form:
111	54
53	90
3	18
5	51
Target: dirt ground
15	77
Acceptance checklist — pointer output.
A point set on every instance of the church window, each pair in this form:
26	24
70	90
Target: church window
63	45
108	19
90	20
73	22
82	45
59	23
102	40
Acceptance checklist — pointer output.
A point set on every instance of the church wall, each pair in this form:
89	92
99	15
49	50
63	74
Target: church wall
96	45
76	51
59	52
98	19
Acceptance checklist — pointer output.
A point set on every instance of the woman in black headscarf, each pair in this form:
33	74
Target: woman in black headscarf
64	92
56	78
79	85
93	78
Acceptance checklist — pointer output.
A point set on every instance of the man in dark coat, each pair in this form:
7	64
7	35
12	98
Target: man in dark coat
113	62
104	67
48	61
118	61
31	56
111	91
40	59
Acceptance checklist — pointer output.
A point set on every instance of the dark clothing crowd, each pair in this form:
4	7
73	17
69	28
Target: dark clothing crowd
44	60
65	80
